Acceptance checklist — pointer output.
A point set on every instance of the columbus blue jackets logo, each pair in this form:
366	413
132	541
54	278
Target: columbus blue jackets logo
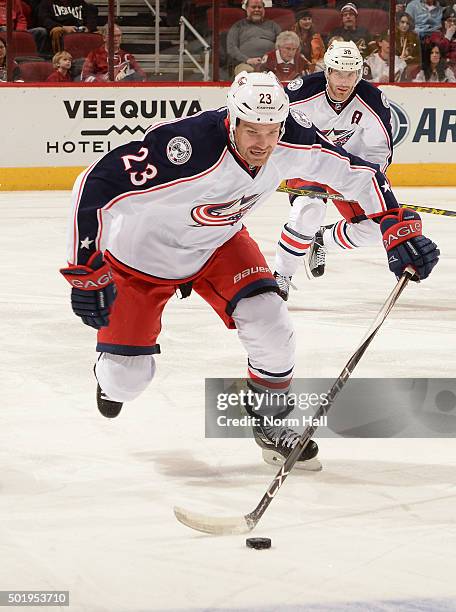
400	123
339	137
178	150
294	85
301	118
226	213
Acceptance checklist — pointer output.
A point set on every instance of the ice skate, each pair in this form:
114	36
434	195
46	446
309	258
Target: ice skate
278	442
108	408
284	283
315	259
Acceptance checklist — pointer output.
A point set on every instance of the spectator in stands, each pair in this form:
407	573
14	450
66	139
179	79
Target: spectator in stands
435	67
251	38
126	67
312	45
407	43
376	66
286	61
61	17
20	25
19	20
3	71
350	30
62	68
427	15
446	37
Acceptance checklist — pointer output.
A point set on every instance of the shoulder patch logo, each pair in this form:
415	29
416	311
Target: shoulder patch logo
301	118
385	100
178	150
294	85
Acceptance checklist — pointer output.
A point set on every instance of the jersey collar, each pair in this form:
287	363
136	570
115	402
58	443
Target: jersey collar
338	107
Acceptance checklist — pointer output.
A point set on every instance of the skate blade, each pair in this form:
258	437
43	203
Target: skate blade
272	457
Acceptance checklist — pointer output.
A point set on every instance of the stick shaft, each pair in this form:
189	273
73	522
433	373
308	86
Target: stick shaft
254	516
321	195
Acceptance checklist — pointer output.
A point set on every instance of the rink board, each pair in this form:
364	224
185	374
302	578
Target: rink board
75	125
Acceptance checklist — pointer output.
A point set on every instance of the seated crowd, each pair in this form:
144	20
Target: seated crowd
424	38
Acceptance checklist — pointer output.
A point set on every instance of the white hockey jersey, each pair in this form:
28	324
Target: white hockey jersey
362	124
161	206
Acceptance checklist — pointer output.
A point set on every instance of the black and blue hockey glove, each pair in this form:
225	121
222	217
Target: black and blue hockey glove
406	246
93	290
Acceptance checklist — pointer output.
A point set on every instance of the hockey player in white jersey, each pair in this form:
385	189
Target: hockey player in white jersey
355	115
167	213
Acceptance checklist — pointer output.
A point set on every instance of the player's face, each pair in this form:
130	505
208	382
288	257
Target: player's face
341	84
255	142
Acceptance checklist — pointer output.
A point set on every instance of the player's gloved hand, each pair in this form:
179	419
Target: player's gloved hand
405	245
93	290
284	283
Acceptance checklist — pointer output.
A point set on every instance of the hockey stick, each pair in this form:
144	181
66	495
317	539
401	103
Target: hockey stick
244	524
321	195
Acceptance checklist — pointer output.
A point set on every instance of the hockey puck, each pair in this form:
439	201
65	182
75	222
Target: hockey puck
258	543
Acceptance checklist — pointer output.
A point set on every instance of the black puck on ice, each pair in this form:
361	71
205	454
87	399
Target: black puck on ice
258	543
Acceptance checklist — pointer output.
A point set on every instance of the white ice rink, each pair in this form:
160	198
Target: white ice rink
86	503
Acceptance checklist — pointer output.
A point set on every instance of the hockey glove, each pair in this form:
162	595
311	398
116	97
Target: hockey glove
93	290
405	246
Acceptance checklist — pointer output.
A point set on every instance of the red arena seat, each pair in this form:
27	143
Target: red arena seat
325	20
23	44
35	71
375	21
228	16
284	17
80	44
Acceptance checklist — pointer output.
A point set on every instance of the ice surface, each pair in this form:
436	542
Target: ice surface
86	503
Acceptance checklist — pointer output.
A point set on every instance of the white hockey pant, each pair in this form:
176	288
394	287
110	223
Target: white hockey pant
344	235
307	215
264	328
266	332
124	378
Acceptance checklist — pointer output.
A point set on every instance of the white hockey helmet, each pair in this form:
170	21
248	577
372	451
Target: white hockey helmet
256	97
344	56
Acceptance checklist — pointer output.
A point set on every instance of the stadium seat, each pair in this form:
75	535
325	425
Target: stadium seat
35	71
282	16
325	20
23	44
375	21
228	16
80	44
